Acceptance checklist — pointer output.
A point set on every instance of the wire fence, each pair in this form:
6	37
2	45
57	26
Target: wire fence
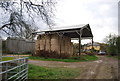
15	70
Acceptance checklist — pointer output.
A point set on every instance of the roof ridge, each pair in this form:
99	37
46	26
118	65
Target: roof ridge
67	27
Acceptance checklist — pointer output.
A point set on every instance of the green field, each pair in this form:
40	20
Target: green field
71	59
37	72
7	58
116	57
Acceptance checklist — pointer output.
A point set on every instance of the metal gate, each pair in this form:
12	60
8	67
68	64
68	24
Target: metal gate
15	70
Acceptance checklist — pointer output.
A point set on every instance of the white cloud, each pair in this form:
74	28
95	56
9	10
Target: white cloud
100	14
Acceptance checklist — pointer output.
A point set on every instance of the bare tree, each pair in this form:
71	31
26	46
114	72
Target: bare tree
17	25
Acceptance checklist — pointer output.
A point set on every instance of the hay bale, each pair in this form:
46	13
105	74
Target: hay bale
52	43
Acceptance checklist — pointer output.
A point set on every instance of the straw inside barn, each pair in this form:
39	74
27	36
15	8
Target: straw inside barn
57	42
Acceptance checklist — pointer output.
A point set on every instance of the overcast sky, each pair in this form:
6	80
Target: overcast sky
102	15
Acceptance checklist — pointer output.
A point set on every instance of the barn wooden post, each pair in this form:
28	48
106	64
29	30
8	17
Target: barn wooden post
60	35
79	45
80	42
50	41
32	45
60	42
39	42
92	44
0	58
45	43
80	35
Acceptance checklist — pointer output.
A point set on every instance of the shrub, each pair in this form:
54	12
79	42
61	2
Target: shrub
89	53
51	54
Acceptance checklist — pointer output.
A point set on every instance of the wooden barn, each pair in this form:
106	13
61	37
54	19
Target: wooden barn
59	40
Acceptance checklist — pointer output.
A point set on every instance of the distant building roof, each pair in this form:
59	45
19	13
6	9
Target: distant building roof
94	44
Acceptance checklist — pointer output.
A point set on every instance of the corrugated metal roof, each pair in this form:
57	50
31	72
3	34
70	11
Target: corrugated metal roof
68	27
71	31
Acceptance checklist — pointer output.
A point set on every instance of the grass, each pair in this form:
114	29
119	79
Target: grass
81	58
37	72
7	58
19	54
116	57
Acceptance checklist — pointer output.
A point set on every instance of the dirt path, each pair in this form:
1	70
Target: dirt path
104	68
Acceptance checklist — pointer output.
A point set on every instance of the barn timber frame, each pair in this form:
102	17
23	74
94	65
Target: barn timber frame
78	31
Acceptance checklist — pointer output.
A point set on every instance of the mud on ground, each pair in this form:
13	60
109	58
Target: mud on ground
104	68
